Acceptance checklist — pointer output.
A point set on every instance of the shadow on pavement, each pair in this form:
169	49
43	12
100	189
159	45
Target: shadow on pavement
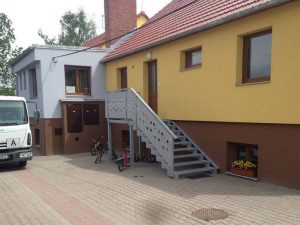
151	174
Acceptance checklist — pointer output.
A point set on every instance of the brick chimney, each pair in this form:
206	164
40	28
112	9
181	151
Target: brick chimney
120	17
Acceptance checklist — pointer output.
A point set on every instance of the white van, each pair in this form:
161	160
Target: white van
15	134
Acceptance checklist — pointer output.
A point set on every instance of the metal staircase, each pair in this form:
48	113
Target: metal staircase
189	158
178	154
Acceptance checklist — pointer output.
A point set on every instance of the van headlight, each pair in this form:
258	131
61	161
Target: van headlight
28	139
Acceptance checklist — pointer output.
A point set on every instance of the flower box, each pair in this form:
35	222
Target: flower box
244	172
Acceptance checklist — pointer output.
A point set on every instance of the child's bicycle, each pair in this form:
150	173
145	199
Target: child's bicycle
122	161
97	148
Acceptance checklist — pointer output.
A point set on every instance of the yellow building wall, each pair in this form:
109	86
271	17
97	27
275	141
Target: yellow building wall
213	92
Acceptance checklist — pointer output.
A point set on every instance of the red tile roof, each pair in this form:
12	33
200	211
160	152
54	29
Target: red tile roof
196	16
95	41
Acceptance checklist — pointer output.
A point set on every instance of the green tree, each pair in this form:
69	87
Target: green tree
75	29
7	54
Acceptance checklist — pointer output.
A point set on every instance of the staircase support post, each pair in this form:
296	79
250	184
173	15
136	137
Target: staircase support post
131	145
109	135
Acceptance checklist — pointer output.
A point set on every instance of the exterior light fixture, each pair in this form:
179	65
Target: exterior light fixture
149	55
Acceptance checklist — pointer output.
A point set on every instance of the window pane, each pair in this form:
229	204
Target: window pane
24	74
260	56
84	81
193	58
152	66
241	152
12	113
21	83
32	83
70	81
196	58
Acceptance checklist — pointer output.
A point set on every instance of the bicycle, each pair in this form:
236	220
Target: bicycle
97	147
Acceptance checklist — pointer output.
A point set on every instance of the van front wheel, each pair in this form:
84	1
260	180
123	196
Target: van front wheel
22	164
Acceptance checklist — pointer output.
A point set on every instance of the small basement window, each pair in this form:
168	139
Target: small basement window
192	58
241	156
37	137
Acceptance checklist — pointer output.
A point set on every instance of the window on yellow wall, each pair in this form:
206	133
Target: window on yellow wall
192	58
257	50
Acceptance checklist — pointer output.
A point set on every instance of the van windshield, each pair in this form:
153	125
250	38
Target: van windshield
12	113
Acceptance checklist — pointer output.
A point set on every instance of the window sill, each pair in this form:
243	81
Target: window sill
237	175
191	68
253	83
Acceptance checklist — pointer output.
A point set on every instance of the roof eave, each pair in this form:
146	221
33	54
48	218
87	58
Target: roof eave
247	12
17	59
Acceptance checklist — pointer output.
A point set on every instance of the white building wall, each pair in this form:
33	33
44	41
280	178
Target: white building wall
23	67
51	77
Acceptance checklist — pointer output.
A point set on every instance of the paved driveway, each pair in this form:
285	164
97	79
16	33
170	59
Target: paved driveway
73	190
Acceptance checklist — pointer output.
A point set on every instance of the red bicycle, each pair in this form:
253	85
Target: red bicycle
124	160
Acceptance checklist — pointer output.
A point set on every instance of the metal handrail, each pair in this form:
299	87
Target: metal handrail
154	114
146	105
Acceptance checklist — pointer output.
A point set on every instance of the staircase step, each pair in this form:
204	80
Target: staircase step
188	163
181	142
190	172
182	152
180	136
187	156
184	149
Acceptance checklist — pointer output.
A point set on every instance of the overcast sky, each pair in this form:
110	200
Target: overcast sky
28	16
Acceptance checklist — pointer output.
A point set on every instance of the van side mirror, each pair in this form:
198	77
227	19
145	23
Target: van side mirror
37	115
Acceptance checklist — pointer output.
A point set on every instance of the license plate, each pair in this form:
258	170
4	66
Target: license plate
3	156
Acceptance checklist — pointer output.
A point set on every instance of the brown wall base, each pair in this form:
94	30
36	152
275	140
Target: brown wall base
49	142
54	138
278	147
81	142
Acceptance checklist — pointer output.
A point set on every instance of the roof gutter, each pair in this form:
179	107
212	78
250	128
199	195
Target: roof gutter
247	12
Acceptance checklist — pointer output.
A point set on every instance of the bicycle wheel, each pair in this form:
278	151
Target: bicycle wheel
120	165
114	155
98	159
93	151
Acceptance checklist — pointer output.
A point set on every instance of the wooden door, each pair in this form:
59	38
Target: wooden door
123	73
152	85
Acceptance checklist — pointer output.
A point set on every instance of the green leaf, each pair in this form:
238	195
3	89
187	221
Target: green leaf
7	54
75	29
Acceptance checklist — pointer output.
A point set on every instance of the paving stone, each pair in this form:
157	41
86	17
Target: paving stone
73	190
